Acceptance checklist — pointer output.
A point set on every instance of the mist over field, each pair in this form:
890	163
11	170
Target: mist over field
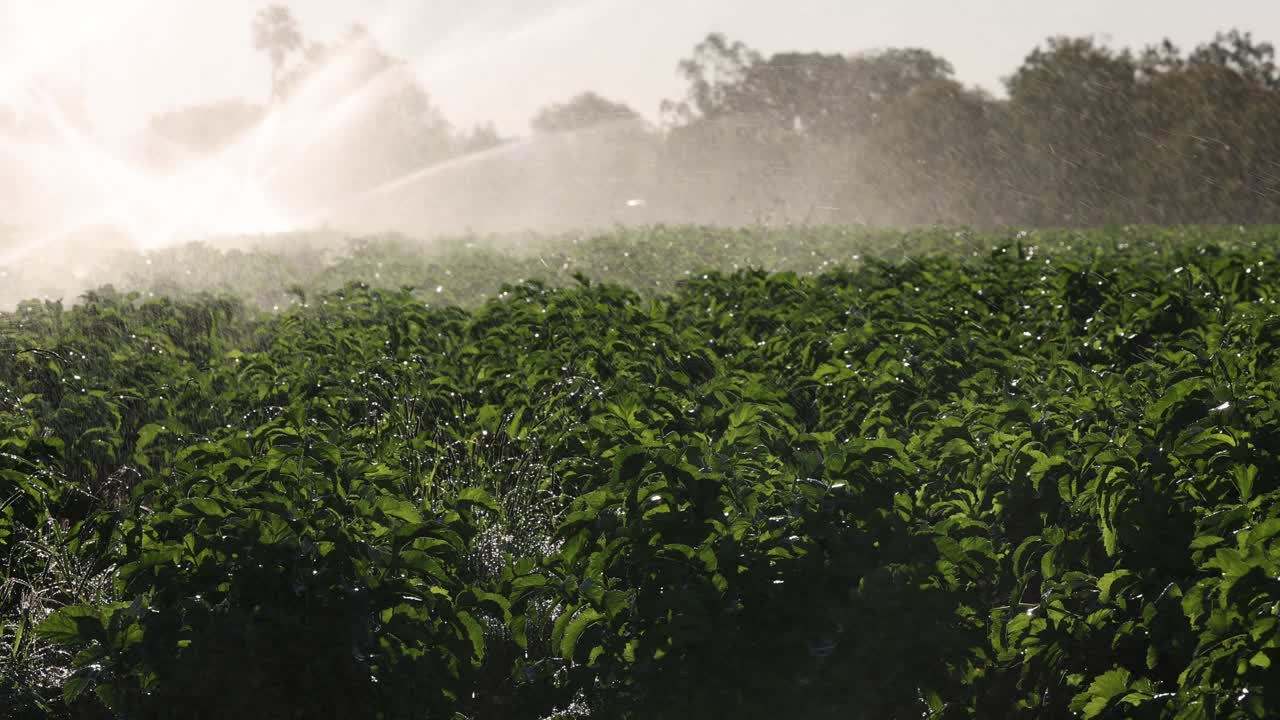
347	139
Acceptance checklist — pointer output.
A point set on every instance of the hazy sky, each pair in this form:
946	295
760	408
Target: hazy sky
501	61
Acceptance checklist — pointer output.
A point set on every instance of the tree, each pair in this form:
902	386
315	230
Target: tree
813	94
1255	62
1089	135
364	112
1240	76
207	127
806	93
482	137
715	73
1072	107
276	32
778	136
936	156
1211	122
835	97
583	111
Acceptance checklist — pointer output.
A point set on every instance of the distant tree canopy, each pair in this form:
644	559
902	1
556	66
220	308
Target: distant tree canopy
815	94
1084	134
364	118
1087	134
482	137
583	111
207	127
276	33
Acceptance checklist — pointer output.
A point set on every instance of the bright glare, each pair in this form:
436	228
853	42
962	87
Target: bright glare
78	181
49	33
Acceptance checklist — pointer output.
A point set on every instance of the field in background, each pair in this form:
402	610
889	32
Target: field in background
660	473
267	271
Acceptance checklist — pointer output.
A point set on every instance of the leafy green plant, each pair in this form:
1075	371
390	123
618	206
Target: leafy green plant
960	476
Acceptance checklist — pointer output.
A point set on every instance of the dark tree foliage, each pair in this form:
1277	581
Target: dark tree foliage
1087	135
1084	135
276	33
583	111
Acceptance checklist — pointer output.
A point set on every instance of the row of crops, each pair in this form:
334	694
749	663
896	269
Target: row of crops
1035	476
277	272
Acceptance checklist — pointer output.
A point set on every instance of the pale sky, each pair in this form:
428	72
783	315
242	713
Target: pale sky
502	60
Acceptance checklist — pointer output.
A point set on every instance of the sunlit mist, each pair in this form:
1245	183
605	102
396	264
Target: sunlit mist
136	125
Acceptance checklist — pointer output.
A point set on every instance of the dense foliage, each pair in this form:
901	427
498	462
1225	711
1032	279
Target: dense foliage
1085	134
1039	479
1080	134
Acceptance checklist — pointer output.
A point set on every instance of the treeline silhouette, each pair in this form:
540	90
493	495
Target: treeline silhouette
1087	135
1084	135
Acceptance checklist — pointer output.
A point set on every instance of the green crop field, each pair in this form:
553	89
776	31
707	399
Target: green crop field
660	473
